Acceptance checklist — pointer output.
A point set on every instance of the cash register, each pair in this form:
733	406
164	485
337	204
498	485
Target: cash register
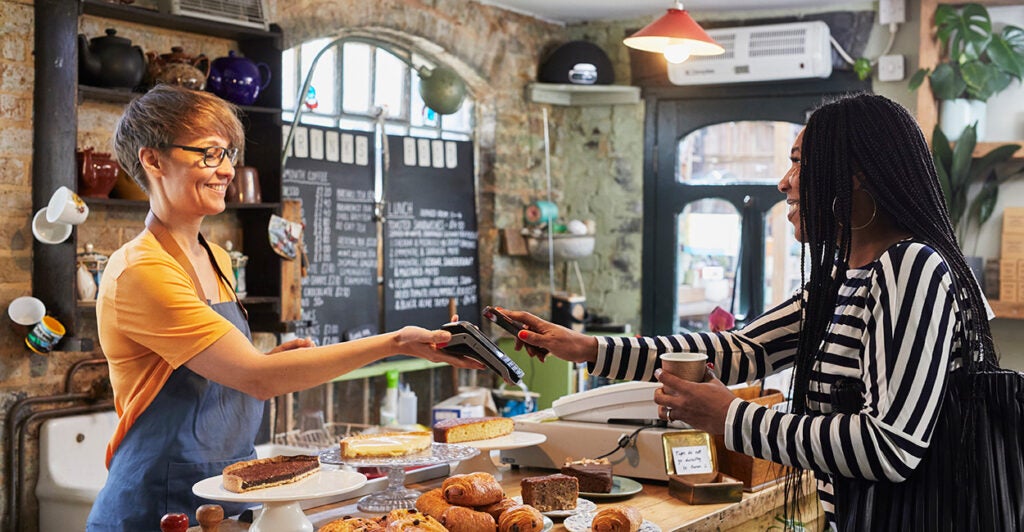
617	420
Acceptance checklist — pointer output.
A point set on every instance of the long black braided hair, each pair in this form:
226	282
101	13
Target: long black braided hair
877	139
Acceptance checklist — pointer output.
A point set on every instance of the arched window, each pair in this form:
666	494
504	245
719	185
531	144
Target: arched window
357	77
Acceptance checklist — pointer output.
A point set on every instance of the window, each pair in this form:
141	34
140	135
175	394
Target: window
742	159
354	79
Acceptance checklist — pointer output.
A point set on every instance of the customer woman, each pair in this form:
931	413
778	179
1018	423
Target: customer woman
188	383
889	310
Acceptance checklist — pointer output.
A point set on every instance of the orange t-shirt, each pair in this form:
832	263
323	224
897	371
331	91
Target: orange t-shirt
151	321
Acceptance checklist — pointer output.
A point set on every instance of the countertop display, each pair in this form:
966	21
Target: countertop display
653	501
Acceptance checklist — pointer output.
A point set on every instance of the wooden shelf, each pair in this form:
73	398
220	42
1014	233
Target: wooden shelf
568	94
108	95
1009	311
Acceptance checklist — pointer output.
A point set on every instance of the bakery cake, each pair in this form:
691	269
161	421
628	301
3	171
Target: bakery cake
463	429
385	445
550	493
595	476
268	472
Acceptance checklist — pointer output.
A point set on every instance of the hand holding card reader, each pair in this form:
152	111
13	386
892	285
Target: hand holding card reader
468	341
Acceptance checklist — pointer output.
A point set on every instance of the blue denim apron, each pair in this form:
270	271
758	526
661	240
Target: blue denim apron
191	431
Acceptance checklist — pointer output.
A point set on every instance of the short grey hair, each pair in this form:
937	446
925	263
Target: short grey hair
165	114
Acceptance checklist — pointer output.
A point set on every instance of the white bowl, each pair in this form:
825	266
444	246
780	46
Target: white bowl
565	246
49	233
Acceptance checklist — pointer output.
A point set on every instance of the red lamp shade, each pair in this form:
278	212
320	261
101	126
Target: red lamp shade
676	29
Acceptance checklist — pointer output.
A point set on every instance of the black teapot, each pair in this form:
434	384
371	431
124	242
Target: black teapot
110	61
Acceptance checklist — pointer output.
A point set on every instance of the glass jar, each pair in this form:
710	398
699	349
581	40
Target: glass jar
92	262
238	262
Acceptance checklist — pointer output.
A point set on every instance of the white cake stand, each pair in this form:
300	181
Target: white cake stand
281	509
482	463
396	495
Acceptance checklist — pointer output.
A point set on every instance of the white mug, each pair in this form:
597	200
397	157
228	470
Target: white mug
66	207
49	233
26	310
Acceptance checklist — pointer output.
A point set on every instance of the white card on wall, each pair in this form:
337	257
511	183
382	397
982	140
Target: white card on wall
332	146
348	148
409	151
284	132
423	151
451	154
692	459
301	142
437	147
316	144
362	151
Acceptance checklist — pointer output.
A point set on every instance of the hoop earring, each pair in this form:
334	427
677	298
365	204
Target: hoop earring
874	211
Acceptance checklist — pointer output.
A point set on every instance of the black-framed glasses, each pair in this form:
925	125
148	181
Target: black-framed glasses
213	156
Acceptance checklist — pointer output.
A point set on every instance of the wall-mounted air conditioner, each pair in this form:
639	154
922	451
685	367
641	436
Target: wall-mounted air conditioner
251	13
760	53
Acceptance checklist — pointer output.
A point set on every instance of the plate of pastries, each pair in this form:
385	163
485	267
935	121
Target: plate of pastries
622	518
464	503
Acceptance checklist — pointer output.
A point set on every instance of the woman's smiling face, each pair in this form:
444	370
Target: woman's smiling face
790	186
189	184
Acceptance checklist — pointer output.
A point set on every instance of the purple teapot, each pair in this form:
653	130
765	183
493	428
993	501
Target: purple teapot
237	79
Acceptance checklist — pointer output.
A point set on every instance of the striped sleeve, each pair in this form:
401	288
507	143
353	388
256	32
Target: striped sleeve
764	346
907	341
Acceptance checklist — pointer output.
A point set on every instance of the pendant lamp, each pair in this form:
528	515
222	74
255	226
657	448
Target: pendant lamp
676	35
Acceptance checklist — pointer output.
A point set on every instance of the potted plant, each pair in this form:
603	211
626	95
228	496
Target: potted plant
957	170
979	64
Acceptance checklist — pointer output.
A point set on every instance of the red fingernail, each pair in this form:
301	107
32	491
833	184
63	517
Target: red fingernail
522	335
442	345
711	365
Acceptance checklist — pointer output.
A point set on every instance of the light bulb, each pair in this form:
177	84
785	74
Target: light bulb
677	53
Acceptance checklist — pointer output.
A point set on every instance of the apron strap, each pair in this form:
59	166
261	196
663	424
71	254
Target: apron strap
159	231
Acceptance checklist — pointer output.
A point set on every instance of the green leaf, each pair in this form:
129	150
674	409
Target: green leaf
917	79
996	156
986	203
940	147
1007	51
947	84
973	30
863	68
983	80
960	171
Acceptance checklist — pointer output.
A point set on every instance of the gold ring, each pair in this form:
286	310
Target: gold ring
668	413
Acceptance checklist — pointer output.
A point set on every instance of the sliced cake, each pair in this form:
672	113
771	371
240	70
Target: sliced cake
463	429
595	476
385	445
268	472
551	492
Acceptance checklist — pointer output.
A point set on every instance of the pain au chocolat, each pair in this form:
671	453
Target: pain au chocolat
268	472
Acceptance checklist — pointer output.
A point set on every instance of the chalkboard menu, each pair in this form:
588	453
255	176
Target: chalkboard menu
430	238
331	173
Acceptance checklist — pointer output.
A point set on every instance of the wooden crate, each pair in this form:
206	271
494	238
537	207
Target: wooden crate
755	473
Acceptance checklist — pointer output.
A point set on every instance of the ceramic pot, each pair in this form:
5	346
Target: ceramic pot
126	188
110	61
97	173
245	187
955	115
178	68
237	79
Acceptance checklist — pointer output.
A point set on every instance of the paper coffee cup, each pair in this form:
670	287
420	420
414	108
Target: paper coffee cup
687	366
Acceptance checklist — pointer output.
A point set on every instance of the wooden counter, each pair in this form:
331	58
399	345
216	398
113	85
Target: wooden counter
755	512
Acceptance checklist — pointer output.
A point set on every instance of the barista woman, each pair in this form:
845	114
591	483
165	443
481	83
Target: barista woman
189	385
889	310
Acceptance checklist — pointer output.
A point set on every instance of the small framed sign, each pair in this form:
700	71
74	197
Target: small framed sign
688	452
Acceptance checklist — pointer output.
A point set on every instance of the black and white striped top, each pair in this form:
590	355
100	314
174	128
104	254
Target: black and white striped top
894	329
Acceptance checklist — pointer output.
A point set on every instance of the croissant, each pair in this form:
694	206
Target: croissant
617	519
498	508
474	489
432	503
462	519
521	518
